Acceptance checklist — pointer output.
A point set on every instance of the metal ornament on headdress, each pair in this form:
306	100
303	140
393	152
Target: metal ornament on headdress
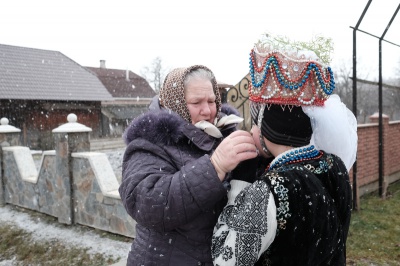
289	75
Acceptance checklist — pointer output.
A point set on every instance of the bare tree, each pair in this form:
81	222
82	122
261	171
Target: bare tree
366	97
155	73
344	84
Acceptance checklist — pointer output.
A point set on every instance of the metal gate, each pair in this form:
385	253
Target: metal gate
238	97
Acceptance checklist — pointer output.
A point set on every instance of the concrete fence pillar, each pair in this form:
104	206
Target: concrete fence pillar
70	137
9	136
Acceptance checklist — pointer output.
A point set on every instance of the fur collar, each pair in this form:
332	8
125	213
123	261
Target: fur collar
164	127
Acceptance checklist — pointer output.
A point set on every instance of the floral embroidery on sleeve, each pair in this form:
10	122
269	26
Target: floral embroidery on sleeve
324	165
283	210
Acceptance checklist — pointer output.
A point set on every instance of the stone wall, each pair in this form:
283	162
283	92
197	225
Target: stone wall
19	178
48	196
73	184
95	192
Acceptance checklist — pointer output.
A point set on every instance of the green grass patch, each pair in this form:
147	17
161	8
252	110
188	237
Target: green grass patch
374	235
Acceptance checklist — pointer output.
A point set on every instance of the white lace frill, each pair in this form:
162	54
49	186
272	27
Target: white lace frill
334	129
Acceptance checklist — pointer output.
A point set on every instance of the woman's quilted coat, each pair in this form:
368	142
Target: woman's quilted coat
171	189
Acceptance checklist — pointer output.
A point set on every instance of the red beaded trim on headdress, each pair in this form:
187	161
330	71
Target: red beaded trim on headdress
279	79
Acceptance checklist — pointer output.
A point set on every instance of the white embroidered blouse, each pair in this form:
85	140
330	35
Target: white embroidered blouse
246	226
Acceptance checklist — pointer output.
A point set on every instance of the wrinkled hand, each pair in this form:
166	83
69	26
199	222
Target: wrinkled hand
237	147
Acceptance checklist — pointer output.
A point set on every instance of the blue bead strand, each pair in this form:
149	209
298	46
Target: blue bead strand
327	87
300	154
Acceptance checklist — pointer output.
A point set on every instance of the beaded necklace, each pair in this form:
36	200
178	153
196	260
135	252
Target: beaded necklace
296	155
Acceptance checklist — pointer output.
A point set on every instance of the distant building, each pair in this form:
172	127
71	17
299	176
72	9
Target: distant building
39	88
131	97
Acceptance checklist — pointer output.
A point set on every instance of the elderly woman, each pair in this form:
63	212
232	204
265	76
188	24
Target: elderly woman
174	169
298	211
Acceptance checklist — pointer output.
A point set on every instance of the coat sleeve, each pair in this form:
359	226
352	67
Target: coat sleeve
158	195
247	225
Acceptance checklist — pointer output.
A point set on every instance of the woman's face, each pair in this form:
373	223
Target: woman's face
200	99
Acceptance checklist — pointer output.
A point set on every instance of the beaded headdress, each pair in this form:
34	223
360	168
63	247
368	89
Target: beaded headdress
290	73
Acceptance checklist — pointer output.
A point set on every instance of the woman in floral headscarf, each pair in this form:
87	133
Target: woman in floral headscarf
174	169
298	211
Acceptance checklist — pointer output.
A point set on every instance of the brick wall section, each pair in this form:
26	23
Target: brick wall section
392	163
368	150
367	154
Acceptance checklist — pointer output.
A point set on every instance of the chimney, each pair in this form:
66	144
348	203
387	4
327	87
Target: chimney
102	63
127	75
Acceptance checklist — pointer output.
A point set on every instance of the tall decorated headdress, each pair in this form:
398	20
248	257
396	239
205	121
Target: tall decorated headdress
290	73
291	96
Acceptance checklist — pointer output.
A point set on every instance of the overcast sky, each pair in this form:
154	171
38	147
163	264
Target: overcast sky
215	33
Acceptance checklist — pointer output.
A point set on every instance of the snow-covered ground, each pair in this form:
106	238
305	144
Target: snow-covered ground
69	236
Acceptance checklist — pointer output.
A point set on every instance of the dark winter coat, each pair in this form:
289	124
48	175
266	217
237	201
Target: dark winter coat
313	200
171	189
312	197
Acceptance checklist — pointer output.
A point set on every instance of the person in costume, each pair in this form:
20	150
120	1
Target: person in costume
298	211
174	169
